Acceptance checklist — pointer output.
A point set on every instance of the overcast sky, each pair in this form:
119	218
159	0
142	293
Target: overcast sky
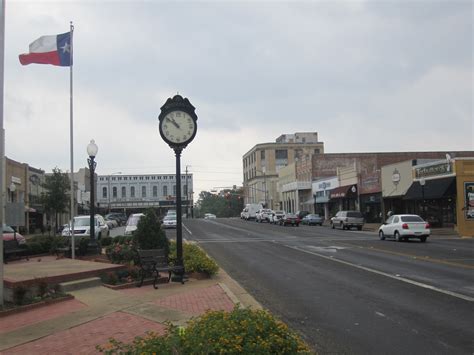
367	76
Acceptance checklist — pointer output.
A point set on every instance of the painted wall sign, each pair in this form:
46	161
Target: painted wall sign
469	200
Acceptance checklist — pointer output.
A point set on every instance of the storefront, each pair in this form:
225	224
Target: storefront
396	180
321	192
344	198
465	196
370	197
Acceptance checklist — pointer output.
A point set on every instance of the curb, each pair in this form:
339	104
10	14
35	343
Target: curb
231	295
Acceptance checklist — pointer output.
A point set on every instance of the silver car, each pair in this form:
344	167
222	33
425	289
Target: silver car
347	220
82	227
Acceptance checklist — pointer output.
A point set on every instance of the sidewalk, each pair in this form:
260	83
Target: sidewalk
98	313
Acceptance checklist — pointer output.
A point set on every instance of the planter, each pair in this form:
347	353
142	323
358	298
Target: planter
27	307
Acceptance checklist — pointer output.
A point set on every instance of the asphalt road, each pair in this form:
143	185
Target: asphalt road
347	292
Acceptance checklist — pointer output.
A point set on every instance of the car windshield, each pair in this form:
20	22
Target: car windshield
7	229
312	216
354	214
133	220
82	222
411	219
170	218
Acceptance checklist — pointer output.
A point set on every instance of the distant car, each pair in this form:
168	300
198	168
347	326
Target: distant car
276	216
132	223
9	234
82	227
209	216
169	221
290	219
405	226
119	217
347	220
312	220
263	215
111	222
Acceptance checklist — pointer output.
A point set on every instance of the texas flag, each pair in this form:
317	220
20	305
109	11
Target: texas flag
54	50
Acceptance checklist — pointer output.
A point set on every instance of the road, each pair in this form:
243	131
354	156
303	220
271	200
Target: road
347	292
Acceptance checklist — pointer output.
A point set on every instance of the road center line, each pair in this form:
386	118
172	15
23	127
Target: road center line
187	229
399	278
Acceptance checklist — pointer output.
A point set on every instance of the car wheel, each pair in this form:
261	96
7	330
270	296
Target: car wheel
359	228
397	237
422	239
332	225
381	235
342	226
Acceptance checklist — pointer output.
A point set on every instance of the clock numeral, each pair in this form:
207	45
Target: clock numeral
189	132
165	126
191	126
178	114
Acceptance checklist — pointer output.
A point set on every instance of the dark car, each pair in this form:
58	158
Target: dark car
119	217
312	220
302	214
290	219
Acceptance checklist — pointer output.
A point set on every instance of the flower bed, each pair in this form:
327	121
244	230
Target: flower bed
11	308
241	331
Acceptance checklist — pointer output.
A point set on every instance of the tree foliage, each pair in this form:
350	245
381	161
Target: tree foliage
55	198
149	234
228	203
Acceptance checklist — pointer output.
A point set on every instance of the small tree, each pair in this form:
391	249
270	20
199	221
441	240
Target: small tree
56	197
149	234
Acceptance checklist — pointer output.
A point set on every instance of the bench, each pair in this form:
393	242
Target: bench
12	248
154	261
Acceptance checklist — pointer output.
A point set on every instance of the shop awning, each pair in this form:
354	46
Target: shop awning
436	188
322	199
309	202
344	191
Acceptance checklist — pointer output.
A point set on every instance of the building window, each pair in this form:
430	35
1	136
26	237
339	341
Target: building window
185	191
281	154
143	191
132	191
114	192
104	192
124	192
155	191
165	190
262	155
174	190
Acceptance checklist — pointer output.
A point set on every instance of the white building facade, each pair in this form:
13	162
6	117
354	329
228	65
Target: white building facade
138	192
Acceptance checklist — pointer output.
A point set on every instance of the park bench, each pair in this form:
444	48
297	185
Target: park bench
12	248
154	261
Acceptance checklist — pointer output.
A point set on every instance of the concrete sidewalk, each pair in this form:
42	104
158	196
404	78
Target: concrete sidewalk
98	313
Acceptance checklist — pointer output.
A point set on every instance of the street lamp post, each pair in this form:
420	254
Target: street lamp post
422	183
92	152
109	191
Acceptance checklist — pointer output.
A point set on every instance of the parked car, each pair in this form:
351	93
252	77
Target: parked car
10	234
405	226
82	226
132	223
209	216
276	216
263	215
347	220
169	221
312	220
111	222
121	218
301	214
290	219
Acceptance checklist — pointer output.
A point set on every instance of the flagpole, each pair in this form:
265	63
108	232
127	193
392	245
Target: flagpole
73	255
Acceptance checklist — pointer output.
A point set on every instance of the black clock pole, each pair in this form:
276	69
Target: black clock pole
179	229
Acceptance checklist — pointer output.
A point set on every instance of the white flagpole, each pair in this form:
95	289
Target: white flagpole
71	227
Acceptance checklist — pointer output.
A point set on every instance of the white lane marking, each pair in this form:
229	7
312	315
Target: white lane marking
395	277
380	314
187	229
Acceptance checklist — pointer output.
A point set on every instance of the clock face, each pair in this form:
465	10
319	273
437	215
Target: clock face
178	127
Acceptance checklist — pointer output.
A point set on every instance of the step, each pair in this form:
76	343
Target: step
80	284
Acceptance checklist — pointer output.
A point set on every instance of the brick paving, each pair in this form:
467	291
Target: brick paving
84	338
36	315
198	301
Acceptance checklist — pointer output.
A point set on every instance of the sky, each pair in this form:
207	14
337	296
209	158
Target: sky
368	76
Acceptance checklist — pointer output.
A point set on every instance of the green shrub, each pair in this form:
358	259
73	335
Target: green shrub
195	259
106	241
149	234
241	331
83	245
19	294
122	253
42	285
34	248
